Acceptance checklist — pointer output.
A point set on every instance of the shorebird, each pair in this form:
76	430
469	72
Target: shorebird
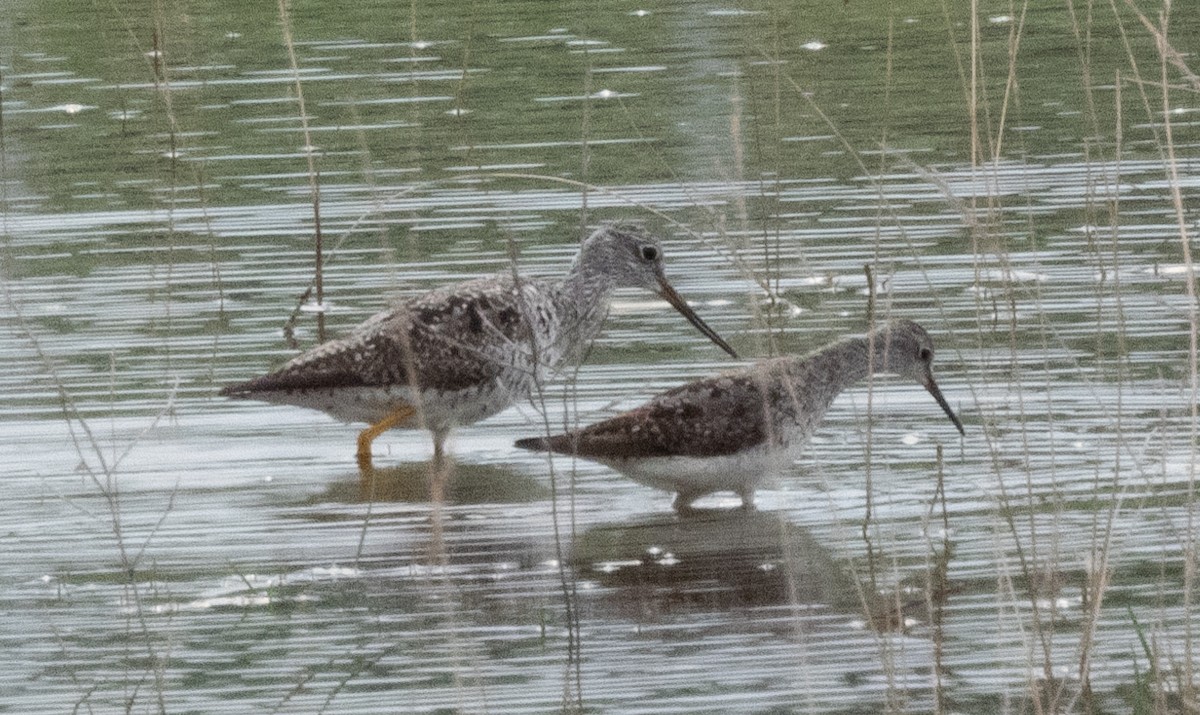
728	432
461	353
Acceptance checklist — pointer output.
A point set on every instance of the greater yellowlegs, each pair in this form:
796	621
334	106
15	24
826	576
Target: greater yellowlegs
730	431
465	352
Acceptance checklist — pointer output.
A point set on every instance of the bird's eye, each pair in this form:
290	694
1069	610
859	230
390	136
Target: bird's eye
650	253
926	355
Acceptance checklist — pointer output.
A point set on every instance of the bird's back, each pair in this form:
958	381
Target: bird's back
774	403
715	416
448	340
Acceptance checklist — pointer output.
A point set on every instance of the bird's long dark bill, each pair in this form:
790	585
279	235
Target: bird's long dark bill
668	294
937	395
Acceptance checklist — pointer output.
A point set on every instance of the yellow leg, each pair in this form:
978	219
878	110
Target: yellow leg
367	436
437	498
438	470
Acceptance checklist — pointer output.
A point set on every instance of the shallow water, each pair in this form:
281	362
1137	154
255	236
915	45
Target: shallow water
164	549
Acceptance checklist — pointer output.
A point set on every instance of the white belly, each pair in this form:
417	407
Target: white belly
739	472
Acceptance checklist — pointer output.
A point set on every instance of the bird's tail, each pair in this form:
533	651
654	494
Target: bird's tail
534	444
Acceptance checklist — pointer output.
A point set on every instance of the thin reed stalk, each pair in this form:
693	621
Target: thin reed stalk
314	177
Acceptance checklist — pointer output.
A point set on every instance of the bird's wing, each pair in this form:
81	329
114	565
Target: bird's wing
473	332
448	339
711	417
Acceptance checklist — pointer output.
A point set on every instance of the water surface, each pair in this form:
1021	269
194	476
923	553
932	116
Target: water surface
167	550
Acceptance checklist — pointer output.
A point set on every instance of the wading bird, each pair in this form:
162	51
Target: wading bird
727	433
464	352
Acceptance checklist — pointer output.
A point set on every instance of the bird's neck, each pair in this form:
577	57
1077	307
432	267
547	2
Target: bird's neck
583	304
822	375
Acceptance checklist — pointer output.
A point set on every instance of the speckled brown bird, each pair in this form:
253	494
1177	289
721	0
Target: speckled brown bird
462	353
728	432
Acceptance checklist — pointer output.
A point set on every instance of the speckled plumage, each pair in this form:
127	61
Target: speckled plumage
730	431
452	345
462	353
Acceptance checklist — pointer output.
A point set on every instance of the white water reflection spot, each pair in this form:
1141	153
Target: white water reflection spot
1011	276
1176	269
731	12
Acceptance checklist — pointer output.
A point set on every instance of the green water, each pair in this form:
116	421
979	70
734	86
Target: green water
162	549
